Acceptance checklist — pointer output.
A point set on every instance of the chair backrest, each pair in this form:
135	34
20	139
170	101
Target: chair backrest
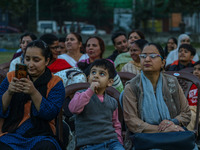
70	90
5	66
2	75
186	80
187	69
125	76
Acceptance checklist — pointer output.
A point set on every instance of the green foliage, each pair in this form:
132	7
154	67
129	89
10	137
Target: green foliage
146	9
5	56
14	7
184	6
109	50
95	8
22	13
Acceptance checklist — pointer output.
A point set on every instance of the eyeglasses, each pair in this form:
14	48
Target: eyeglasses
152	56
54	47
61	47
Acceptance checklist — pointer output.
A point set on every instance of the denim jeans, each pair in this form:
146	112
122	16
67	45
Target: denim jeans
108	145
195	148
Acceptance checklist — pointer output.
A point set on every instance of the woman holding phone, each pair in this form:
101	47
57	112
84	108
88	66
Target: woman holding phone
29	105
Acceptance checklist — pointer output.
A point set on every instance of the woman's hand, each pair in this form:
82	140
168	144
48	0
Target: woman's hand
14	86
27	86
174	128
164	125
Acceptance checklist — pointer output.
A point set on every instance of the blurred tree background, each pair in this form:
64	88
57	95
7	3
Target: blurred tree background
22	13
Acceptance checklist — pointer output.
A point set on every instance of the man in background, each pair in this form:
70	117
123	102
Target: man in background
120	43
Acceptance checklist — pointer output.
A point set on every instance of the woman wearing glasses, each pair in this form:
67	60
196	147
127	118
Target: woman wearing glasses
28	106
154	101
135	49
56	64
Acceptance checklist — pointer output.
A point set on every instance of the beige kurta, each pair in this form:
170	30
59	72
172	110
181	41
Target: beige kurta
173	96
132	67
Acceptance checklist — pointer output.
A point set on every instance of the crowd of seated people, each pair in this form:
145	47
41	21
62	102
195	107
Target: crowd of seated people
149	105
125	57
56	64
173	55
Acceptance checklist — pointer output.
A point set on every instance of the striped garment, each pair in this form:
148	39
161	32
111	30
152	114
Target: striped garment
132	67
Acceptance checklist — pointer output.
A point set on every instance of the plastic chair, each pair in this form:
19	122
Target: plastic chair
125	76
186	80
2	75
5	66
187	69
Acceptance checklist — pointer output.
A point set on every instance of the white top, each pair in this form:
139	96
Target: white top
14	62
71	60
19	50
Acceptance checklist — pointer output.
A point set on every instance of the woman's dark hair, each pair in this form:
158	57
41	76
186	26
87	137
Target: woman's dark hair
49	38
61	39
174	39
166	48
189	48
46	52
101	44
141	43
32	36
158	47
141	34
79	38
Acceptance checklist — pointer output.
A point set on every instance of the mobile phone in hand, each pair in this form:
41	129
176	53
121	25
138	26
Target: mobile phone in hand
21	71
